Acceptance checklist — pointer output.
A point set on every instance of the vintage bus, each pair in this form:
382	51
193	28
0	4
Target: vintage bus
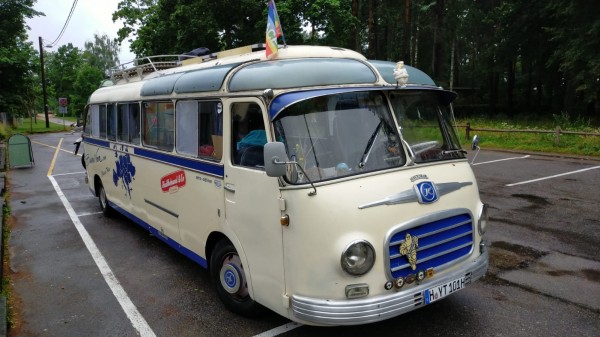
321	185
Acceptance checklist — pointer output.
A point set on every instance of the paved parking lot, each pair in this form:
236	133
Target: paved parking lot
77	273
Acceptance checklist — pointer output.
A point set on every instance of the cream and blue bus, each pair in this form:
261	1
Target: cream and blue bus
326	187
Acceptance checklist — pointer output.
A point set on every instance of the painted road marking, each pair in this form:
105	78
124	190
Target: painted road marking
137	320
497	160
279	330
554	176
54	147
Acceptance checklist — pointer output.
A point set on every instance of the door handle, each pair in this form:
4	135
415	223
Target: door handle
229	187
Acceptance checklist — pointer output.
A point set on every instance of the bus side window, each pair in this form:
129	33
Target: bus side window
111	120
102	121
128	128
248	135
210	130
199	129
159	128
92	125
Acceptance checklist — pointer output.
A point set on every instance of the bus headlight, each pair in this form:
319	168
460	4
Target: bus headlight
483	219
358	258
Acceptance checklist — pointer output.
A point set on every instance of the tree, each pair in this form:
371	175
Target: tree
102	53
62	67
16	56
87	79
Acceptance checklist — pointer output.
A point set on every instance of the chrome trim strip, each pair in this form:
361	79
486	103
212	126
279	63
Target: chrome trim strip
411	195
435	232
162	208
378	308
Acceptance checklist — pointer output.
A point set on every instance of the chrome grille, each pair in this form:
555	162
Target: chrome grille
440	242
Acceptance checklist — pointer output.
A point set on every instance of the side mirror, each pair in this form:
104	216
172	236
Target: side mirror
475	146
475	143
276	159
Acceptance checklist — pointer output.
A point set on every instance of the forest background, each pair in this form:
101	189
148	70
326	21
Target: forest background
510	59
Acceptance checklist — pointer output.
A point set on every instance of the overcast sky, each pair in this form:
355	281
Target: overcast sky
89	17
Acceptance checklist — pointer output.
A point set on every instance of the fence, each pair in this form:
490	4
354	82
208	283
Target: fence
556	132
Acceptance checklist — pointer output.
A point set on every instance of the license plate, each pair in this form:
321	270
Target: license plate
440	291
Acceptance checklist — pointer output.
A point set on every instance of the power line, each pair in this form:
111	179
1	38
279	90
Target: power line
66	24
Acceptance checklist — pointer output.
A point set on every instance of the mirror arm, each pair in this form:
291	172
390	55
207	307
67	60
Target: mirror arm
276	161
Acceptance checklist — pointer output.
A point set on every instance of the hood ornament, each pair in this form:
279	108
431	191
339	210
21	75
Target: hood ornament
408	248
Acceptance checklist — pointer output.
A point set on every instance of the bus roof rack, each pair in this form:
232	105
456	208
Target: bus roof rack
138	68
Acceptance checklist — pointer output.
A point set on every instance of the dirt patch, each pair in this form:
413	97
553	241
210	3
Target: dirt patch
513	256
509	256
534	200
592	274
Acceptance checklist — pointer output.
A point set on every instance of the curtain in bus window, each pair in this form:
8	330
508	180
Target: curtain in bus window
102	121
123	124
186	120
94	121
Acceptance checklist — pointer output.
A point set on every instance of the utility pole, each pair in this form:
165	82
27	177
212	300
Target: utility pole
44	83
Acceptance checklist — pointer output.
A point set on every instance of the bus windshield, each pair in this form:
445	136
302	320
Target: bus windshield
425	125
352	133
339	135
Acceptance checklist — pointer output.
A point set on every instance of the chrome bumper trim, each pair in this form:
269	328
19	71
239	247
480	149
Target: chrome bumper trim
368	310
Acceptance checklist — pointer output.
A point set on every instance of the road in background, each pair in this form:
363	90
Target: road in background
544	276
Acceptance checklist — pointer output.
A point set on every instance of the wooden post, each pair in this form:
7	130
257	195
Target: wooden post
557	136
468	131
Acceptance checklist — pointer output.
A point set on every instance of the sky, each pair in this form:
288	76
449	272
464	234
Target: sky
89	17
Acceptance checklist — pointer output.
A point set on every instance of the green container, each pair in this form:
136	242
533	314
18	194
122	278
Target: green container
19	151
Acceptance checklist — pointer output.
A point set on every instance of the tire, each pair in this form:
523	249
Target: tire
229	279
104	205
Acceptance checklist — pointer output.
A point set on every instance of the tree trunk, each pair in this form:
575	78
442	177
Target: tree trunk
406	33
354	31
510	87
371	30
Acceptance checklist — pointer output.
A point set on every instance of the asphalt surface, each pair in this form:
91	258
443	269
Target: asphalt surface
544	276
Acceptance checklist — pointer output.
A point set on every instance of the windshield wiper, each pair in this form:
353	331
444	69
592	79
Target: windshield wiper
455	151
365	156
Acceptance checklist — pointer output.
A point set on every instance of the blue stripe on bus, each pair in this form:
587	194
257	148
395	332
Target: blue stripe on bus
98	142
174	244
217	170
214	169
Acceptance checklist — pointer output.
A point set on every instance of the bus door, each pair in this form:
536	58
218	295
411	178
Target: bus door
252	201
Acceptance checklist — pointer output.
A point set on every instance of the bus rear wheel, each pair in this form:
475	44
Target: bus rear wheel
104	205
229	279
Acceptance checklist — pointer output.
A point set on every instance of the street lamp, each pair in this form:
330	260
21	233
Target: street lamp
44	81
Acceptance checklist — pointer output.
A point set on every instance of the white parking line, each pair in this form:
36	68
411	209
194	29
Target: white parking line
137	320
497	160
554	176
279	330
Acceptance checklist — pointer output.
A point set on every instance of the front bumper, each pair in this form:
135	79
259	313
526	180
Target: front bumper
354	312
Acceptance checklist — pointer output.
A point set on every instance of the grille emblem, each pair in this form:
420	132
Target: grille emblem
408	248
427	192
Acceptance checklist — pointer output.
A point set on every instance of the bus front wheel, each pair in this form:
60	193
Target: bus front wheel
228	277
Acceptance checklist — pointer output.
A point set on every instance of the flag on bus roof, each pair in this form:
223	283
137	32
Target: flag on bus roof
273	30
